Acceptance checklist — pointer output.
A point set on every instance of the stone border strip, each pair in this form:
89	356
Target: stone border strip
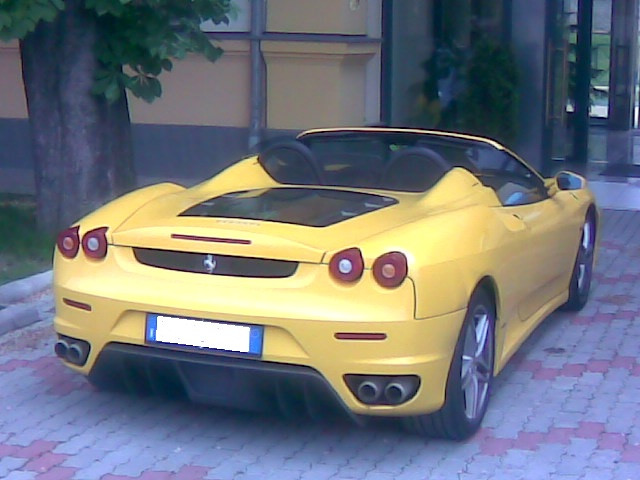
14	292
18	312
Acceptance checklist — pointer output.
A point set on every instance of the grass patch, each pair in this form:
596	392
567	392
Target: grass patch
24	250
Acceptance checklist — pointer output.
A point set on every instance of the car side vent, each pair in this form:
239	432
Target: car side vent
213	264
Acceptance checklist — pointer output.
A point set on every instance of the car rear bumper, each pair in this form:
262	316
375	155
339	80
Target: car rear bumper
421	348
107	304
292	390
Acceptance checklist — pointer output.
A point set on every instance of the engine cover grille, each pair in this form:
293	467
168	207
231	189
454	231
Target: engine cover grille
213	264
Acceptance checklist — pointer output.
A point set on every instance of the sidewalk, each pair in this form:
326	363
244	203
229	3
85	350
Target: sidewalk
565	408
25	301
623	195
608	148
611	147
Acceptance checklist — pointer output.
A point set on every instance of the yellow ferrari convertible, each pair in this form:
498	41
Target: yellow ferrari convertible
372	271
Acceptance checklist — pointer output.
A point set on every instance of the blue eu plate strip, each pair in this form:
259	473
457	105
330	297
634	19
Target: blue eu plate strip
255	340
152	326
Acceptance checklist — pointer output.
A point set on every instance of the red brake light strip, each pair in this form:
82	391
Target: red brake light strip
235	241
360	336
75	304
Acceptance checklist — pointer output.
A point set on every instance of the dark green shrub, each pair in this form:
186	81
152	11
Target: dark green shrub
490	104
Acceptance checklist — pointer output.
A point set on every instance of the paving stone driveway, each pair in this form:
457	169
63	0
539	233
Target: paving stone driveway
567	407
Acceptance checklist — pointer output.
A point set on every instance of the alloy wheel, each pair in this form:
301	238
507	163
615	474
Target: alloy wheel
477	362
585	258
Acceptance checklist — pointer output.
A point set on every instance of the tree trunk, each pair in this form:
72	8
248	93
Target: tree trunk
82	145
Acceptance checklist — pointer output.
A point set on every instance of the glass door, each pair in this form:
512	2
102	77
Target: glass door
600	57
558	107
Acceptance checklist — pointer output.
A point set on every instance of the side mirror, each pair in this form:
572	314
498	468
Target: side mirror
569	181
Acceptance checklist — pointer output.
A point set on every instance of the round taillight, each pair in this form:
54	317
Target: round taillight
390	269
94	243
68	242
347	265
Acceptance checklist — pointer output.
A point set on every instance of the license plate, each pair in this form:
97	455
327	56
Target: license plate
204	334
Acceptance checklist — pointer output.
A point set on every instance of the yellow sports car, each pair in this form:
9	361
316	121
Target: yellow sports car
382	271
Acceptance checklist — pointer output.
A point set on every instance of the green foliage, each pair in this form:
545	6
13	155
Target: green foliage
144	36
138	38
20	17
438	94
490	104
23	249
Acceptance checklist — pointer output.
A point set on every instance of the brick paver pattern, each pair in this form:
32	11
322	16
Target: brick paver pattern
567	407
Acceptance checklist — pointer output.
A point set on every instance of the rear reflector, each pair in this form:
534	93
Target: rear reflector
75	304
360	336
196	238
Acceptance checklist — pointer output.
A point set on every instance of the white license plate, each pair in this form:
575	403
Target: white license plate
204	334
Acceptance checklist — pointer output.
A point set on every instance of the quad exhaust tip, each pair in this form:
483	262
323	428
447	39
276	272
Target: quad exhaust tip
369	391
398	391
72	350
75	353
383	389
61	348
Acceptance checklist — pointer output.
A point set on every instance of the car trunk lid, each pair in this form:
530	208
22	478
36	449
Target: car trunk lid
298	224
283	223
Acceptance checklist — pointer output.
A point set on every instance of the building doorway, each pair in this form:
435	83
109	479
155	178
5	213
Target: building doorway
427	47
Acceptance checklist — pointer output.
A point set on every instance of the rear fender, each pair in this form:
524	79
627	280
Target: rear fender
446	253
114	213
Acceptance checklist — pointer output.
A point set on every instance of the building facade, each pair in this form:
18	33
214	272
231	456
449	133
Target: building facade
295	64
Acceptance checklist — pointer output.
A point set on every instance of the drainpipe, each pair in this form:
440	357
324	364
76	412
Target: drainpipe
256	122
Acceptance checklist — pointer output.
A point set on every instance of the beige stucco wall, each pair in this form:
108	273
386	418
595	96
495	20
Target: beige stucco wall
308	84
317	16
195	92
316	84
12	100
198	92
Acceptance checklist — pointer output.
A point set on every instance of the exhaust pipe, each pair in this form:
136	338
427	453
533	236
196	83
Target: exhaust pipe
61	348
369	391
76	354
72	350
383	389
400	390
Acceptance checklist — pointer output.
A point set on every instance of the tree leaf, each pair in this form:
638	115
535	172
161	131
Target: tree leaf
144	36
5	20
59	4
112	92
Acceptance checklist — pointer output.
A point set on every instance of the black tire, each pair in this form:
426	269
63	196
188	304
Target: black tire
458	419
580	282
